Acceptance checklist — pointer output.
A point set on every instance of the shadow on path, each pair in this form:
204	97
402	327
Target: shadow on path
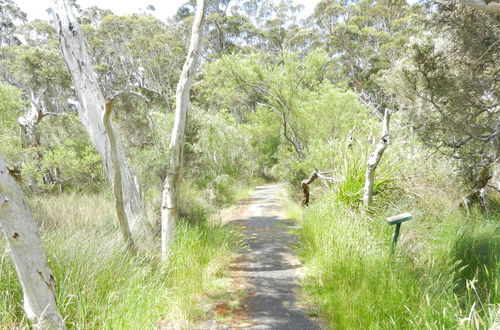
269	264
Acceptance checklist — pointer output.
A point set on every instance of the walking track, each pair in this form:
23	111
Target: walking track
268	264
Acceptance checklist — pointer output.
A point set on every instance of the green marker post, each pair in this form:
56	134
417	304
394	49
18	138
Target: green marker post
397	220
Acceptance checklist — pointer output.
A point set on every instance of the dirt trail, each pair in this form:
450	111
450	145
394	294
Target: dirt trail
268	265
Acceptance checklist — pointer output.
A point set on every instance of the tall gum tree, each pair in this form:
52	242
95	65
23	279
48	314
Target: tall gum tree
91	111
23	237
169	212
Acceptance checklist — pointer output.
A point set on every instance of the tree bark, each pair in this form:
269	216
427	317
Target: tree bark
117	179
23	237
292	138
169	212
304	184
28	124
374	160
91	109
305	187
29	133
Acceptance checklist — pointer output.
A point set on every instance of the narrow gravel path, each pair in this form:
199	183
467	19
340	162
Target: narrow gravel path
268	264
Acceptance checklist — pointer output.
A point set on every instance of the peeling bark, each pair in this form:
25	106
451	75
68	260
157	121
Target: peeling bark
117	179
169	211
91	109
23	237
374	160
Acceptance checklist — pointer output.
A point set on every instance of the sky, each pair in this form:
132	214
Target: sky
164	8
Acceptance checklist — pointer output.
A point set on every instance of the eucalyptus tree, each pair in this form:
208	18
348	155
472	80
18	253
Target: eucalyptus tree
91	111
227	28
23	237
169	208
448	86
364	38
282	85
11	17
137	52
37	68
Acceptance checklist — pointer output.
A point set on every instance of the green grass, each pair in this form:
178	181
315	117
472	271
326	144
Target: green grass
100	286
444	275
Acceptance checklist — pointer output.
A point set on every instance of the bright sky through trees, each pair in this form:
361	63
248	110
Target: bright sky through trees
163	8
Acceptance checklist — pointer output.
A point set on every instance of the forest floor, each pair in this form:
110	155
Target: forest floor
266	269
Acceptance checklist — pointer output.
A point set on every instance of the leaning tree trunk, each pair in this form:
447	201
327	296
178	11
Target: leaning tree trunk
23	237
91	110
117	177
169	212
374	160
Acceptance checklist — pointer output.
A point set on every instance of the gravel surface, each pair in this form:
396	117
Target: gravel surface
269	264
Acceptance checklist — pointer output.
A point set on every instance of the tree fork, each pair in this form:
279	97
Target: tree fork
92	103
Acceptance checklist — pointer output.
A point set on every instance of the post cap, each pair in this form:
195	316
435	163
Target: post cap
399	218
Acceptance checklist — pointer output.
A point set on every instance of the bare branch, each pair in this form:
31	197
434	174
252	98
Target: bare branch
118	93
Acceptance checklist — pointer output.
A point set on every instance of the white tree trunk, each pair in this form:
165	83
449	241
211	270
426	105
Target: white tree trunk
117	179
29	133
28	124
374	160
23	237
91	109
172	180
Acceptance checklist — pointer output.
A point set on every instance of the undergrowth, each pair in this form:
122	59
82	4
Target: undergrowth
444	274
100	286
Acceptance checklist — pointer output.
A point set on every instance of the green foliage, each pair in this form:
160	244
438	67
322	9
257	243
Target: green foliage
218	148
477	249
263	129
135	50
442	83
277	98
12	106
79	163
356	282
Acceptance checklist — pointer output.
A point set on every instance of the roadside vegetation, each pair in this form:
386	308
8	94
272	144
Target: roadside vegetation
274	98
445	269
100	285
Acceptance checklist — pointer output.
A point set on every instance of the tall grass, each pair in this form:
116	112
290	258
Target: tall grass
445	273
100	286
